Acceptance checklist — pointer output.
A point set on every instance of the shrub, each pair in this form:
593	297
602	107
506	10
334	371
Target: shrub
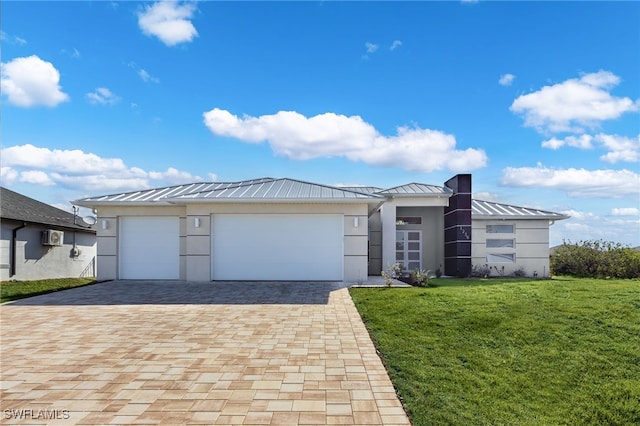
420	278
480	271
596	259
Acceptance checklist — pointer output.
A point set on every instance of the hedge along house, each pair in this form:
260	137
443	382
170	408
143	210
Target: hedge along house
286	229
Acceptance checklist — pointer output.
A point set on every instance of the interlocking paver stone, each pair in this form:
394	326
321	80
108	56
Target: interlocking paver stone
144	352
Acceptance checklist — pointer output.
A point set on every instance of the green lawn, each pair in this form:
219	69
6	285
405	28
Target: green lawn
21	289
511	352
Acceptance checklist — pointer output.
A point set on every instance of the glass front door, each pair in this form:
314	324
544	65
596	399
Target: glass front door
409	250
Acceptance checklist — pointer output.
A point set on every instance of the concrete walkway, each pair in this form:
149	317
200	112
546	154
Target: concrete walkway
138	352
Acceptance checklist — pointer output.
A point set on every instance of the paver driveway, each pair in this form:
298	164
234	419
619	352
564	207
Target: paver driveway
136	352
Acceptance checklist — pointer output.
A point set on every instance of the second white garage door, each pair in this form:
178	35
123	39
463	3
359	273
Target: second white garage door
290	247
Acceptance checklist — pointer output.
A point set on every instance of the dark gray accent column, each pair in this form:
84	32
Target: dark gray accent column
457	227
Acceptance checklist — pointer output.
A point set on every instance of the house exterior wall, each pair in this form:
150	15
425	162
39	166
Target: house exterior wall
195	241
35	261
432	233
531	247
433	208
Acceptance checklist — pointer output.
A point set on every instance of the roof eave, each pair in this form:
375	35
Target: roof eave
274	200
479	216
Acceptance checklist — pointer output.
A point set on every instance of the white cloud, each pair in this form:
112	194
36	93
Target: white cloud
579	215
36	177
620	148
506	79
295	136
146	77
486	196
575	182
212	177
625	211
170	21
574	104
8	175
11	39
79	170
371	47
582	141
30	81
395	44
103	96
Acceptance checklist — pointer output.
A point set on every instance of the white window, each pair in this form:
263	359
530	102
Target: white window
500	229
501	243
501	258
409	220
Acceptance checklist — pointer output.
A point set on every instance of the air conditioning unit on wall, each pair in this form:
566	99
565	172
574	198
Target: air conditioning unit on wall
51	237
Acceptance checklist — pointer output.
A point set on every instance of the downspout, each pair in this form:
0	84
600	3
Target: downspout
14	235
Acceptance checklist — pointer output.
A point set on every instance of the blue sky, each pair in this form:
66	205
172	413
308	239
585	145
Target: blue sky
540	101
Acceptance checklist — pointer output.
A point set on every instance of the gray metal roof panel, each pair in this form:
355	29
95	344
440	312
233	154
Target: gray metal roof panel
488	210
416	189
279	189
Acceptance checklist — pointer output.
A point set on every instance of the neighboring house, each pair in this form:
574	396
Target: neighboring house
286	229
40	241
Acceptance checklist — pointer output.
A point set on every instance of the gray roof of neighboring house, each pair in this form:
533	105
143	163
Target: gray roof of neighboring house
18	207
490	210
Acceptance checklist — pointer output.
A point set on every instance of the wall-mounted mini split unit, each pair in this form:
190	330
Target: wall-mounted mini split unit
51	237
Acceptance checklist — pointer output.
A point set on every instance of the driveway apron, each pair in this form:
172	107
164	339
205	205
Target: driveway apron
143	352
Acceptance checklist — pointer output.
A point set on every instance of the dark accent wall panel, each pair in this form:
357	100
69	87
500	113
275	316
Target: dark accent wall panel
457	227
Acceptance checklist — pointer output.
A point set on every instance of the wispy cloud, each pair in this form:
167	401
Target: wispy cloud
31	81
625	211
170	21
295	136
371	47
12	39
395	45
506	79
573	105
146	77
103	96
77	169
575	182
620	148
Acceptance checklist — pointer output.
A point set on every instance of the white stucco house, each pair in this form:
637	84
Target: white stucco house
286	229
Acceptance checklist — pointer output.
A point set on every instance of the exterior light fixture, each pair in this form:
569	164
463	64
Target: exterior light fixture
355	222
105	224
196	222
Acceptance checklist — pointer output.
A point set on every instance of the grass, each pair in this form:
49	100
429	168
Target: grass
511	352
21	289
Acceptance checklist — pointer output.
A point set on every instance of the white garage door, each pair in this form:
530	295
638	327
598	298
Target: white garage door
149	248
277	247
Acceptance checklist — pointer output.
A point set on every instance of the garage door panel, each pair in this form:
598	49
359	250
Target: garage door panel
277	247
149	248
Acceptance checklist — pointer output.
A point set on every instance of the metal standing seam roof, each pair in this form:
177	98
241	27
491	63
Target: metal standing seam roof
413	189
256	189
488	210
270	189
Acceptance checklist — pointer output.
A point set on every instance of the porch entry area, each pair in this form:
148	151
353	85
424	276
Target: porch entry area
409	250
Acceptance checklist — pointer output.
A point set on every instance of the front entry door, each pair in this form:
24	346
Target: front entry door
409	250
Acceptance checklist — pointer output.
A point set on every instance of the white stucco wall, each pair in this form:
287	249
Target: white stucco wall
35	261
195	242
531	246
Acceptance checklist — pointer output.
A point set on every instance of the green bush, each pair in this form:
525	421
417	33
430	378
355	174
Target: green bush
596	259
